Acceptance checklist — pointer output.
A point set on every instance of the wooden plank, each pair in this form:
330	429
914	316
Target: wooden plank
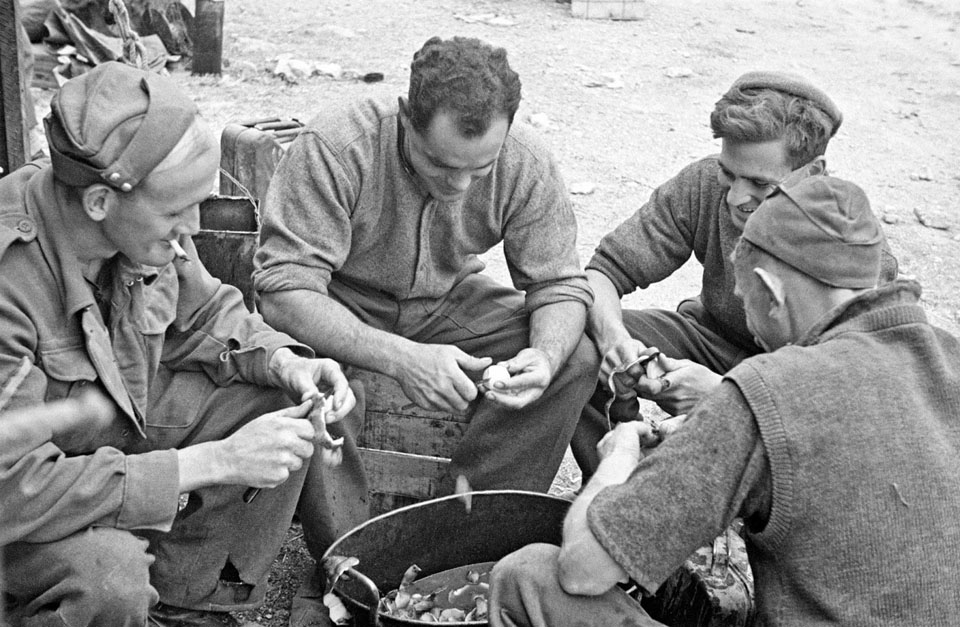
385	396
393	423
407	433
402	473
13	135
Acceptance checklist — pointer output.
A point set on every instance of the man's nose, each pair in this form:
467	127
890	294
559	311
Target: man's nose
191	220
739	194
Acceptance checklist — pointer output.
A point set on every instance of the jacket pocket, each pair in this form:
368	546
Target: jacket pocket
67	370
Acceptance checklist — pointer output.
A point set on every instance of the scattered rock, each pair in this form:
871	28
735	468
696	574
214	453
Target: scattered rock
541	121
929	222
609	80
493	19
889	218
582	188
678	72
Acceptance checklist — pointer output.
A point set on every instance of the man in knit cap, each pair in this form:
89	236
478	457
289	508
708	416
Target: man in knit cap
841	450
101	290
772	125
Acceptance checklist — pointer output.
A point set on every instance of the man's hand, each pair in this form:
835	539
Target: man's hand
676	384
626	442
434	377
529	377
303	378
629	351
261	454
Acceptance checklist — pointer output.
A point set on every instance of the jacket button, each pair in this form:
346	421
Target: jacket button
25	226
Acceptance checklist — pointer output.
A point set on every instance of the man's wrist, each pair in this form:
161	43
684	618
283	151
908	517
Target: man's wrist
615	467
202	465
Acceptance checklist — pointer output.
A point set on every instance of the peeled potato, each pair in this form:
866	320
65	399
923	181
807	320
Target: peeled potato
495	374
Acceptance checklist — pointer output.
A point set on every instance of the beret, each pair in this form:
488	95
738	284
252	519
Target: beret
114	124
823	227
792	84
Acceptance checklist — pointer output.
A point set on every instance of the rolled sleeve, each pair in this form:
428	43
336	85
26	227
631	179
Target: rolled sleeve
570	290
663	233
306	230
150	491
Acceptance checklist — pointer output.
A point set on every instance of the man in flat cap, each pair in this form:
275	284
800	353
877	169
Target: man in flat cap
841	450
207	400
772	125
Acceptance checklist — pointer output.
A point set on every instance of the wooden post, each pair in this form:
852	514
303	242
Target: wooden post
13	136
208	37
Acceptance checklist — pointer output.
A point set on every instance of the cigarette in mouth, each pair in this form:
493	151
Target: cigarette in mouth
178	250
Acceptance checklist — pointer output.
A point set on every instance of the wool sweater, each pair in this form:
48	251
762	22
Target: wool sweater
842	455
688	215
860	420
342	202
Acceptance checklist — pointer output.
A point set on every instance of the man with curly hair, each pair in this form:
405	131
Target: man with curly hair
371	233
772	126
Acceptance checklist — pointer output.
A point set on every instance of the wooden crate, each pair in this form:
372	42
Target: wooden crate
608	9
405	449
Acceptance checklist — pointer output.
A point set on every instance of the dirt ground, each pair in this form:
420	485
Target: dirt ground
625	104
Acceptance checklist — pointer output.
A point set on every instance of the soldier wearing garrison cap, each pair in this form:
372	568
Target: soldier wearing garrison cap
773	127
95	298
841	450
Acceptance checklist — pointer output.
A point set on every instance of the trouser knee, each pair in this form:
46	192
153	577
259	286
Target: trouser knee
96	577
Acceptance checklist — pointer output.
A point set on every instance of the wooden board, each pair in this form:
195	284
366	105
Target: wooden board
393	423
13	135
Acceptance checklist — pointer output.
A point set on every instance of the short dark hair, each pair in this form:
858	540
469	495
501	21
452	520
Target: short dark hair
759	115
463	76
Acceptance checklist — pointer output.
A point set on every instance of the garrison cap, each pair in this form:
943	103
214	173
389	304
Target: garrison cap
114	124
823	227
792	84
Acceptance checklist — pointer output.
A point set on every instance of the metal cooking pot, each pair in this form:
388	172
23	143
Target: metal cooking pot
438	535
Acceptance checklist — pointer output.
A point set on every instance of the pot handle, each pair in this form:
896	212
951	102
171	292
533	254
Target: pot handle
374	617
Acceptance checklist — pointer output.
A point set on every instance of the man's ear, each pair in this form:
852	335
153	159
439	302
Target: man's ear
773	288
98	200
817	167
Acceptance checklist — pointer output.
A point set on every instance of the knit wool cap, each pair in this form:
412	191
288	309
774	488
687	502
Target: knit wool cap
794	85
823	227
114	124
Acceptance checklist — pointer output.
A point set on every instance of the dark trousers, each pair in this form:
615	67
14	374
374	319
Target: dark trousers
688	333
502	448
